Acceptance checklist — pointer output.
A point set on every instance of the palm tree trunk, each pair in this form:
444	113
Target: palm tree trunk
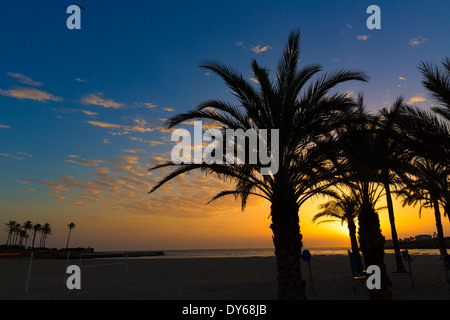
440	230
372	246
68	238
355	247
34	237
398	255
288	245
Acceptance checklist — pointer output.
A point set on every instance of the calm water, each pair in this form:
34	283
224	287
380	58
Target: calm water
268	252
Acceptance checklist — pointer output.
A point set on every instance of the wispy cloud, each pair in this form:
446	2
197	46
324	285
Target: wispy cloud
258	49
254	80
80	80
349	26
134	151
89	113
401	78
17	156
363	37
416	99
169	109
86	162
30	93
4	126
96	99
140	125
417	41
25	79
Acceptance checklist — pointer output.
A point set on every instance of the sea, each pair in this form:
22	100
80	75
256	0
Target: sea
269	252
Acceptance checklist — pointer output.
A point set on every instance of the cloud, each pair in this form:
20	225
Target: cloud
105	125
140	125
97	100
169	109
416	99
86	162
89	113
258	49
417	41
401	78
134	151
17	156
25	79
349	26
363	37
149	105
3	126
29	93
254	80
80	80
239	43
151	142
106	141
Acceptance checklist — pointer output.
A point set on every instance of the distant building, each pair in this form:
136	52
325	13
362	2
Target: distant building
423	237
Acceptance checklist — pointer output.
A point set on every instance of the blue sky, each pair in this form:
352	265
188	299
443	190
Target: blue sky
81	111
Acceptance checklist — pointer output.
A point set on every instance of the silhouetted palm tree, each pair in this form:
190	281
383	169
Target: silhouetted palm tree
26	227
10	227
36	228
46	230
356	165
425	188
344	209
437	82
394	163
303	115
71	226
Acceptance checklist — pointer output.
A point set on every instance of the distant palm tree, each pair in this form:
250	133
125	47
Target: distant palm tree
36	228
46	230
425	188
344	209
10	227
303	117
437	82
17	229
26	227
71	226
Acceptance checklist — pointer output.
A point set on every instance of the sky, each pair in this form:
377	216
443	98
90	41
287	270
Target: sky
82	111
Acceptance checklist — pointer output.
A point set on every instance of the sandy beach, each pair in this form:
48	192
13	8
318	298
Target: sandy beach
209	279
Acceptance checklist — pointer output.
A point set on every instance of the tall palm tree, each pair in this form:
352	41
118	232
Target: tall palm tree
344	209
26	227
10	227
437	82
70	226
394	163
356	166
36	228
425	188
302	117
46	230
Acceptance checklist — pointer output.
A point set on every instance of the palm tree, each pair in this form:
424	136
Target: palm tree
302	117
437	82
46	230
10	227
17	229
394	163
425	188
356	166
36	228
344	209
71	226
26	227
